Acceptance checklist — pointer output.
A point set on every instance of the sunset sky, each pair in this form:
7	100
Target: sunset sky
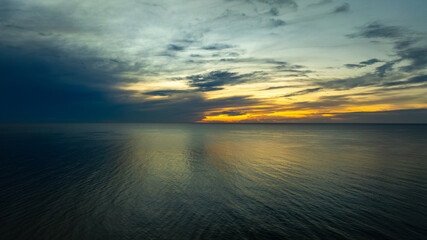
213	61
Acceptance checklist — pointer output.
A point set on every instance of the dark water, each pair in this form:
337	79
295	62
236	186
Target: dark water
188	181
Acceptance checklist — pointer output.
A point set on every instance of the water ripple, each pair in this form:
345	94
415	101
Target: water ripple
184	181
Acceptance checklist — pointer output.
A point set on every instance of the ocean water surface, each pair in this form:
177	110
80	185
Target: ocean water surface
213	181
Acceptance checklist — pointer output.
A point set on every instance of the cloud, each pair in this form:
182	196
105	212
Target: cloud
274	11
378	30
413	80
217	46
290	3
277	87
173	47
275	3
417	56
165	92
277	23
408	46
370	79
342	9
383	69
350	65
363	63
350	82
275	65
228	113
212	81
282	66
380	83
215	80
302	92
320	3
370	61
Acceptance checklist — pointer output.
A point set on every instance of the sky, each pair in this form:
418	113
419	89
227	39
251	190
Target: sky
207	61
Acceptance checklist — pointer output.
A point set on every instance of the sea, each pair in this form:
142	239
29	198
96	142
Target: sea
213	181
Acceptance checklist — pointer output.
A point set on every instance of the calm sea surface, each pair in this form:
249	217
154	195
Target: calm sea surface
218	181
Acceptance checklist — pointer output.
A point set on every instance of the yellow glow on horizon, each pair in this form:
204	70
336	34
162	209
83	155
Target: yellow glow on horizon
267	113
259	116
373	108
272	105
294	114
225	118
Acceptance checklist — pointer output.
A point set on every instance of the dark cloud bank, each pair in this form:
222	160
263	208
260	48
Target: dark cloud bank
46	85
41	86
